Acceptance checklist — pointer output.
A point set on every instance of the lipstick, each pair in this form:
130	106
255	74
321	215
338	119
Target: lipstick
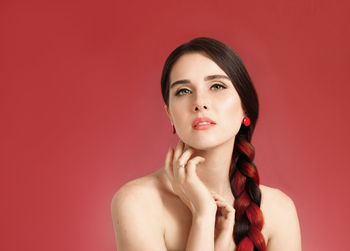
202	123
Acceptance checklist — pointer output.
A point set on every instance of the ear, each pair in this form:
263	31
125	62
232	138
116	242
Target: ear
166	108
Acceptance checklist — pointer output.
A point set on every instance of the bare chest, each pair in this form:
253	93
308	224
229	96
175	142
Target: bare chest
177	225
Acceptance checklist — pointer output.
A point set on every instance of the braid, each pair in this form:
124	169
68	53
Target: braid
244	181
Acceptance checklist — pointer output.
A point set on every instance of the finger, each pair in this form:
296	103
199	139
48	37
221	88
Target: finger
180	173
191	166
221	207
178	149
217	196
228	215
220	199
225	207
168	167
183	159
225	213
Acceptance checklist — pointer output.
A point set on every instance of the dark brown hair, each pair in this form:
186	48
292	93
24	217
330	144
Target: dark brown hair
244	178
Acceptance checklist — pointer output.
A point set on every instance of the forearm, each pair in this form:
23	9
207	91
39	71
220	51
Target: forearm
201	237
224	242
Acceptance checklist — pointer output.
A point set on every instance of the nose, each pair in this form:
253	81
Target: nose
200	107
200	104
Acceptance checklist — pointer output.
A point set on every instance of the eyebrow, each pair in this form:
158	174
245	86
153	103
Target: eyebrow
210	77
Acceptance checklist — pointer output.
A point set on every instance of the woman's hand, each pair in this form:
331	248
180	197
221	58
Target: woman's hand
181	171
225	218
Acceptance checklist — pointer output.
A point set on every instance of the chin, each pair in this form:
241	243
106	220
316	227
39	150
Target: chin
206	143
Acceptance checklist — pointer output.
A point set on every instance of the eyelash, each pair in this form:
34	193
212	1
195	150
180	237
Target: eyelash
183	89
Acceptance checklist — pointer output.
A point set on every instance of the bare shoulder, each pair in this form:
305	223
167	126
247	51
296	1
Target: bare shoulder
143	192
275	197
140	189
277	204
136	211
281	219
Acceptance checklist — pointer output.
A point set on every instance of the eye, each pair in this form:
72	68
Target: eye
219	86
181	91
184	91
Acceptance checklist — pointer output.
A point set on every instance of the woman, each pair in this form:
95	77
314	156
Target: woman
207	196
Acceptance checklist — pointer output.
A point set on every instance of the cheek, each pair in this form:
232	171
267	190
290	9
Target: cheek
177	111
231	112
231	104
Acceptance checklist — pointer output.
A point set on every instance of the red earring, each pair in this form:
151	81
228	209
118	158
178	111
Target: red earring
173	130
246	121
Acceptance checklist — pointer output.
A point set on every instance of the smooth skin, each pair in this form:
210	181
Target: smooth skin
190	207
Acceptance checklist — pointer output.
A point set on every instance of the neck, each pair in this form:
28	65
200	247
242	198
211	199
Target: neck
214	171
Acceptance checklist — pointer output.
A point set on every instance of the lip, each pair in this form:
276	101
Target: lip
202	119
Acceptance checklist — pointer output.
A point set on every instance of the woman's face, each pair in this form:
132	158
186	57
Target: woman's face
200	94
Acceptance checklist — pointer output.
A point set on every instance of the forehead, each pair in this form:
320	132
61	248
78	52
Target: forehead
194	66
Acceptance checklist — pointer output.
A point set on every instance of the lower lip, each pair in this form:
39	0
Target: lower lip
203	127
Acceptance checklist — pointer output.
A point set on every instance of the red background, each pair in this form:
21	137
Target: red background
81	109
